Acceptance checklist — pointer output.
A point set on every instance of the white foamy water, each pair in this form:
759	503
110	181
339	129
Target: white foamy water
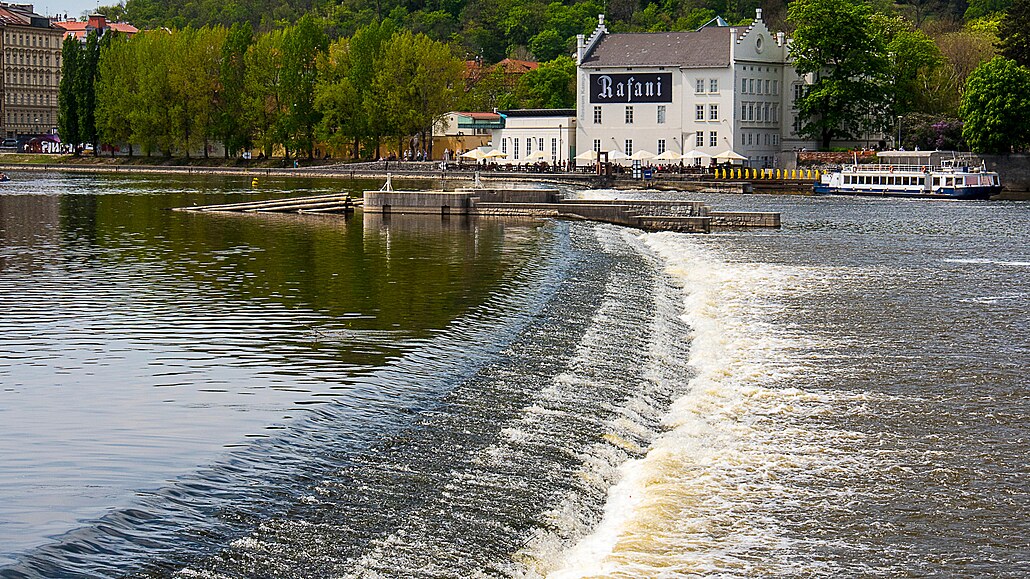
740	445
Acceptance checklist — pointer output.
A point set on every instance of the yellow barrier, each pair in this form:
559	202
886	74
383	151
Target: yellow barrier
817	175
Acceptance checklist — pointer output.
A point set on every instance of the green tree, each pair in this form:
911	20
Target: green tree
981	8
302	45
1014	33
86	99
264	90
68	106
417	80
366	52
231	124
489	92
996	107
913	57
116	93
551	86
336	98
152	119
834	42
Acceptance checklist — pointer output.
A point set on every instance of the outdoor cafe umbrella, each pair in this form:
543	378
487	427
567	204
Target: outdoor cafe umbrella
494	154
729	155
590	155
474	154
536	156
642	155
617	155
669	156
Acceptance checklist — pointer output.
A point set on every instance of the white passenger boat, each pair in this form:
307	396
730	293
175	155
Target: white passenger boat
914	174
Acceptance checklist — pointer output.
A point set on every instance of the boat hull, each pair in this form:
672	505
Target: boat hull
985	192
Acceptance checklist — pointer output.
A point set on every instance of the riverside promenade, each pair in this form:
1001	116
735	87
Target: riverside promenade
453	176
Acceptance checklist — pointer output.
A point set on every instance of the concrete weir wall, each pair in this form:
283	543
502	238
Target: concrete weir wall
649	215
744	219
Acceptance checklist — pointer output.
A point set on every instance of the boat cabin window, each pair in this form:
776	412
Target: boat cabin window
949	182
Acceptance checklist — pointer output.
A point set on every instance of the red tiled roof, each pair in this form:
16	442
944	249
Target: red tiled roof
77	28
513	65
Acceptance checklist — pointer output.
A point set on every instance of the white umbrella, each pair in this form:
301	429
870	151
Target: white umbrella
494	154
537	156
474	154
695	154
617	155
729	155
642	155
590	155
669	156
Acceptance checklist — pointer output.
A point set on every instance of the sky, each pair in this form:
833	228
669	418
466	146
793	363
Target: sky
74	8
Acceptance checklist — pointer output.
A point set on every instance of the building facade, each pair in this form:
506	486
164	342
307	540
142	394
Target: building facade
461	131
536	135
713	90
31	74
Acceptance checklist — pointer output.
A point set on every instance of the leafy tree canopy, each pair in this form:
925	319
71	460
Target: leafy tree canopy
996	107
835	43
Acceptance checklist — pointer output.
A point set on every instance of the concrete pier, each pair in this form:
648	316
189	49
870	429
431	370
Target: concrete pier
645	214
649	215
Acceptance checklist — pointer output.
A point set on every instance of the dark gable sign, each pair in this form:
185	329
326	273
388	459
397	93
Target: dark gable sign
631	88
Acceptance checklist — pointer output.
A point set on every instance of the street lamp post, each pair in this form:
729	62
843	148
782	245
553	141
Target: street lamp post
559	145
898	147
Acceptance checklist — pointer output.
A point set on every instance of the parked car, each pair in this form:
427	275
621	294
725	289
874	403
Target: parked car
9	143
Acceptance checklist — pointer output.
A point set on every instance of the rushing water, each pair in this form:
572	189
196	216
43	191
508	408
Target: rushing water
267	396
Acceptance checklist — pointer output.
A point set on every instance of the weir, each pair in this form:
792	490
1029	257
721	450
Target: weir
645	214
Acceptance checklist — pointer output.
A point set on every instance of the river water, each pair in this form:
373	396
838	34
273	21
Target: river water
188	395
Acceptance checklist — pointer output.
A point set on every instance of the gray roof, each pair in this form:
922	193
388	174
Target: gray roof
708	47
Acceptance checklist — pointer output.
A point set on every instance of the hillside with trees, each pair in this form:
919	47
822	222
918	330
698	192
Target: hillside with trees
894	68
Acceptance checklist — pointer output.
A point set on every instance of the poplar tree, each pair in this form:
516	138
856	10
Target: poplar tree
86	99
301	46
264	90
68	106
366	50
116	92
232	124
336	99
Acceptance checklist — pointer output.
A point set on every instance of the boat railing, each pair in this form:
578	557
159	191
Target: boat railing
892	168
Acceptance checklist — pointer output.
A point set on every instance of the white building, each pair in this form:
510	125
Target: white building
713	90
526	132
